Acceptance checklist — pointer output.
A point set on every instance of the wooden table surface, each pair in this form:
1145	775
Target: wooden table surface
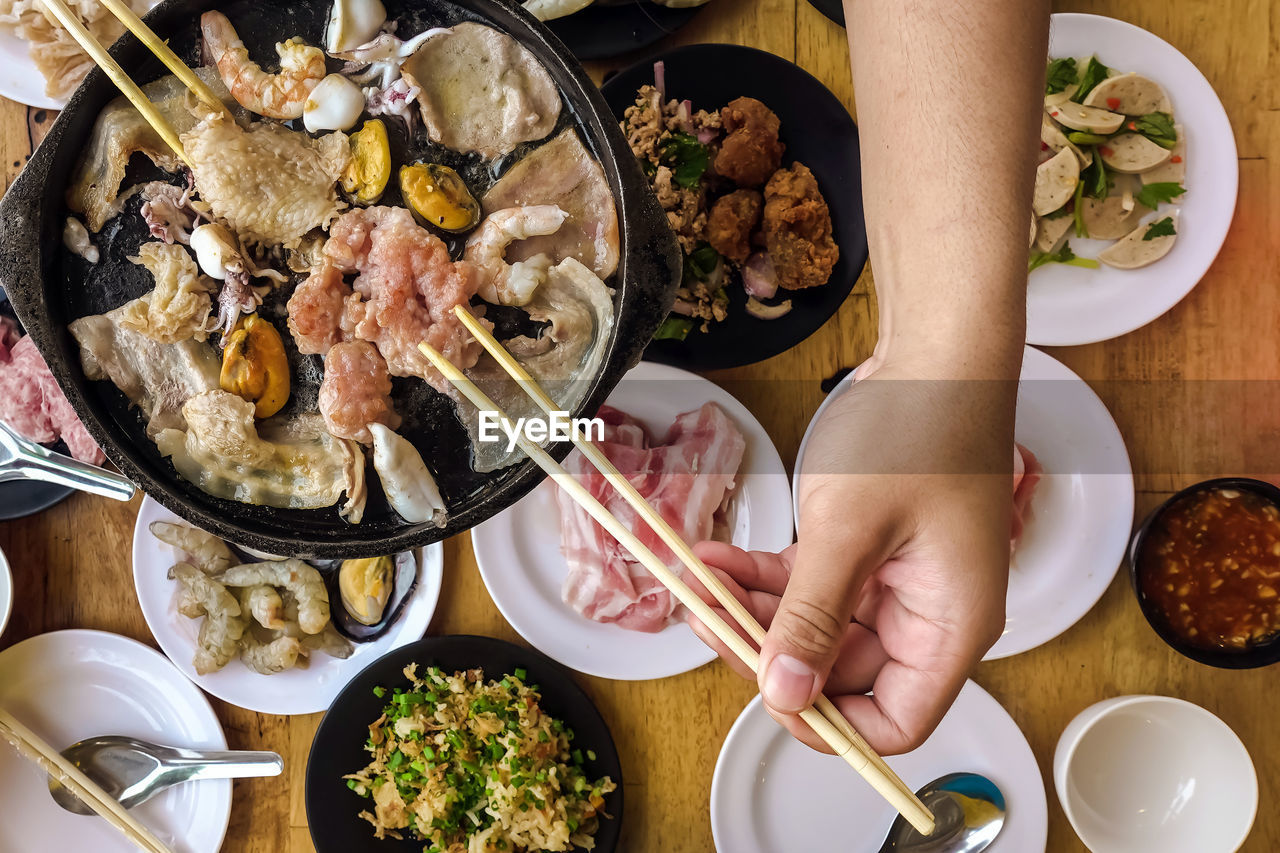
1175	388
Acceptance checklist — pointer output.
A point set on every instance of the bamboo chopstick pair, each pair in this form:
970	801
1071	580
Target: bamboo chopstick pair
33	747
824	718
131	90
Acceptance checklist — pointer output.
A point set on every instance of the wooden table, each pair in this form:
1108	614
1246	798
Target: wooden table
71	563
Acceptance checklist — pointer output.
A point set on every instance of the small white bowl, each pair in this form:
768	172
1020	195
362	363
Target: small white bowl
6	592
1153	774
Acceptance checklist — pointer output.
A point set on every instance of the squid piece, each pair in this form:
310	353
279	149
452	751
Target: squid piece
299	578
409	486
224	624
203	550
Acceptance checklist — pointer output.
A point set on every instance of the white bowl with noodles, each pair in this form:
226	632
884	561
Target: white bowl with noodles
1069	305
518	550
296	691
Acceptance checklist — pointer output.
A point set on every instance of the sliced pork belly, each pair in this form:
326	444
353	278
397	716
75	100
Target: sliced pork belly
687	478
32	402
1026	476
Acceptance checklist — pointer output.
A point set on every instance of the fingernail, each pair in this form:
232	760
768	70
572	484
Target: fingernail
788	684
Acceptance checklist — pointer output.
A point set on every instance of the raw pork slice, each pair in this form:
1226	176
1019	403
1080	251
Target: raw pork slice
1026	476
687	478
33	404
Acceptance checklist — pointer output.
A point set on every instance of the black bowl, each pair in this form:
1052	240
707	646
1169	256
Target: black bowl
819	132
338	748
49	287
1263	654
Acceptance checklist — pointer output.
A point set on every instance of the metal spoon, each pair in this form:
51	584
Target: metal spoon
134	771
21	459
969	812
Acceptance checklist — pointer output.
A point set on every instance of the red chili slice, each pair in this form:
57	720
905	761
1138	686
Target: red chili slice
1175	159
1105	151
1113	103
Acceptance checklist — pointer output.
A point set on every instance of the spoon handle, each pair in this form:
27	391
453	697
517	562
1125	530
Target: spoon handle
32	462
227	765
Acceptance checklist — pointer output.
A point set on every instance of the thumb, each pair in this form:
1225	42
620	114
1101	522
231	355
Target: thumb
831	564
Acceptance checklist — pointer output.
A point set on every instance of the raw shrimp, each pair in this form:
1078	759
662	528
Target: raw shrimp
270	657
282	95
512	284
299	578
224	624
330	642
205	551
263	603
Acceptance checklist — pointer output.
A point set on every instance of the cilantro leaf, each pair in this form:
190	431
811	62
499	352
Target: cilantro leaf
687	158
1094	73
1060	74
1152	195
1160	228
1158	127
1062	256
674	328
700	263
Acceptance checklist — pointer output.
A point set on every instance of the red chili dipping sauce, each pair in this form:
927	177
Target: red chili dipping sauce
1211	563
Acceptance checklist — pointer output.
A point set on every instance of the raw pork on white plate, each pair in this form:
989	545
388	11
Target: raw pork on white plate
520	554
1072	504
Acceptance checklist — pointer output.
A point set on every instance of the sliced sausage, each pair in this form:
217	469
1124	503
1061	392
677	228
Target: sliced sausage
1049	232
1053	137
1087	119
1132	251
1173	170
1107	219
1132	153
1055	182
1131	94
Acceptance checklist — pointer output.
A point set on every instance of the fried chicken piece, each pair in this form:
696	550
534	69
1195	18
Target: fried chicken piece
733	218
750	152
797	229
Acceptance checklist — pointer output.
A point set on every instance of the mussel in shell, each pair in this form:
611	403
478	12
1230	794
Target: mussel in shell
367	596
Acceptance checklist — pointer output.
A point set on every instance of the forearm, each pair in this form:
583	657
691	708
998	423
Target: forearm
947	94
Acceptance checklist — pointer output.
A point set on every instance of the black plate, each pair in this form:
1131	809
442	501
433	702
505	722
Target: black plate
50	287
819	132
21	498
599	32
338	748
833	9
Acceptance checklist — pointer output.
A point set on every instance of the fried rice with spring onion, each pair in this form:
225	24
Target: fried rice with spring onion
474	766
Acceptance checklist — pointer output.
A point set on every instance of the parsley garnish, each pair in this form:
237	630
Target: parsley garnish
1158	127
1060	74
1153	194
1094	73
1062	256
1160	228
687	158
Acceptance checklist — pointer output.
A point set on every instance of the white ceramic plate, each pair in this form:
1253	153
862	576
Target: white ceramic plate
70	685
771	793
518	551
297	691
1081	512
1069	305
6	592
20	80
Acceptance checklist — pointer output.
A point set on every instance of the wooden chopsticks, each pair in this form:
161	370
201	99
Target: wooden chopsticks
825	720
33	747
136	96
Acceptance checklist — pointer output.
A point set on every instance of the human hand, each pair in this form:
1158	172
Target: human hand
897	582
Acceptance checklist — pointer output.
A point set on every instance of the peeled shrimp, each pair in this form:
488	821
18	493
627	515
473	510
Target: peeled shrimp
205	551
282	95
299	578
330	642
263	603
512	284
270	657
224	624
